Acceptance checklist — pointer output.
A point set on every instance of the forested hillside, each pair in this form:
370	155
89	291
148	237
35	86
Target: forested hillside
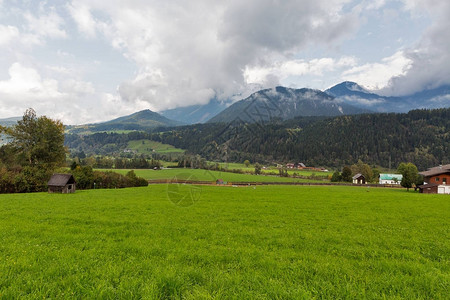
420	136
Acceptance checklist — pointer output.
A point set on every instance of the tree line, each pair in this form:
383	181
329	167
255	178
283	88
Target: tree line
385	139
36	150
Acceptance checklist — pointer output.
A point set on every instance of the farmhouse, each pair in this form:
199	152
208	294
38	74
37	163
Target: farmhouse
220	181
436	180
390	178
295	166
61	183
359	179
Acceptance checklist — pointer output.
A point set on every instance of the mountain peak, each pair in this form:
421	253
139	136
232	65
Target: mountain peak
346	86
283	103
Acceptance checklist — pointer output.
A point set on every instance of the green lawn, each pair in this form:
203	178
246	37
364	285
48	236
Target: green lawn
268	242
149	147
206	175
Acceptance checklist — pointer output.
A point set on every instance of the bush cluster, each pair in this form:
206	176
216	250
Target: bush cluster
87	178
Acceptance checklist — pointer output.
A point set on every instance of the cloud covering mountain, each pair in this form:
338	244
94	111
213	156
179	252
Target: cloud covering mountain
84	61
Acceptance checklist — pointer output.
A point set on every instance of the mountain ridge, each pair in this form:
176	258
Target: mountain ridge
284	103
352	93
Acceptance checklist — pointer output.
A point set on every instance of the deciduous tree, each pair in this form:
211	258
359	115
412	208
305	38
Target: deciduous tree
410	174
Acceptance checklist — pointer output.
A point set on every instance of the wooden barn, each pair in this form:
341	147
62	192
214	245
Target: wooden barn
359	179
61	183
431	188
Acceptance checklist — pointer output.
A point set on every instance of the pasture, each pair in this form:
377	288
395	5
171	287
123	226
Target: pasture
278	242
270	169
149	147
206	175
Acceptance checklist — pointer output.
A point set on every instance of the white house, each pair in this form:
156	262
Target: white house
390	178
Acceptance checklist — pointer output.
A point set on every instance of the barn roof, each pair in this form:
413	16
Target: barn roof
436	171
391	176
61	179
358	175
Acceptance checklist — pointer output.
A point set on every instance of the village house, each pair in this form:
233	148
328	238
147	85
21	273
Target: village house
436	180
61	183
295	166
359	179
390	179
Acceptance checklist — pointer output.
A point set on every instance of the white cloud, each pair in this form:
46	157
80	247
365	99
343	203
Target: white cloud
442	99
358	100
376	4
69	99
376	76
8	34
47	25
278	71
188	52
83	18
26	83
430	58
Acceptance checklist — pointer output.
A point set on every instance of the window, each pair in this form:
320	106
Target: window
444	180
437	179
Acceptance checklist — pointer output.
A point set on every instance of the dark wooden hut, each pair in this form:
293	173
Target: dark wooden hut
430	188
61	183
359	179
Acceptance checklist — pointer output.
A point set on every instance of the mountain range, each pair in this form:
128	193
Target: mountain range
284	103
346	98
142	120
196	113
353	94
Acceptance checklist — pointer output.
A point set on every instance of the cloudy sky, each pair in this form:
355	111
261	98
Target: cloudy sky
92	60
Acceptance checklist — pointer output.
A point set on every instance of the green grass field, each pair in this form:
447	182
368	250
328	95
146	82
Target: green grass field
206	175
274	169
149	147
271	242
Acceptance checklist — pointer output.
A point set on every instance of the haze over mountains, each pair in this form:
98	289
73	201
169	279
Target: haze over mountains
346	98
284	103
353	94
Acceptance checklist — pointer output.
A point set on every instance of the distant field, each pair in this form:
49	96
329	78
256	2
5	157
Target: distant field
270	242
149	147
206	175
274	169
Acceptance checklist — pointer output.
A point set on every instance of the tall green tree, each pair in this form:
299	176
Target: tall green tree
363	169
410	174
257	169
38	141
346	174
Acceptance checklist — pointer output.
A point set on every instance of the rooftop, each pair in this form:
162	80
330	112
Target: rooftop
436	170
391	176
61	179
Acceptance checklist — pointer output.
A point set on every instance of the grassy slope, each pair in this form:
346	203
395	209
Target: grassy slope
239	243
206	175
146	147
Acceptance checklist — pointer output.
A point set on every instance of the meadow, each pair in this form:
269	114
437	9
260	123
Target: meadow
206	175
206	242
269	169
149	147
